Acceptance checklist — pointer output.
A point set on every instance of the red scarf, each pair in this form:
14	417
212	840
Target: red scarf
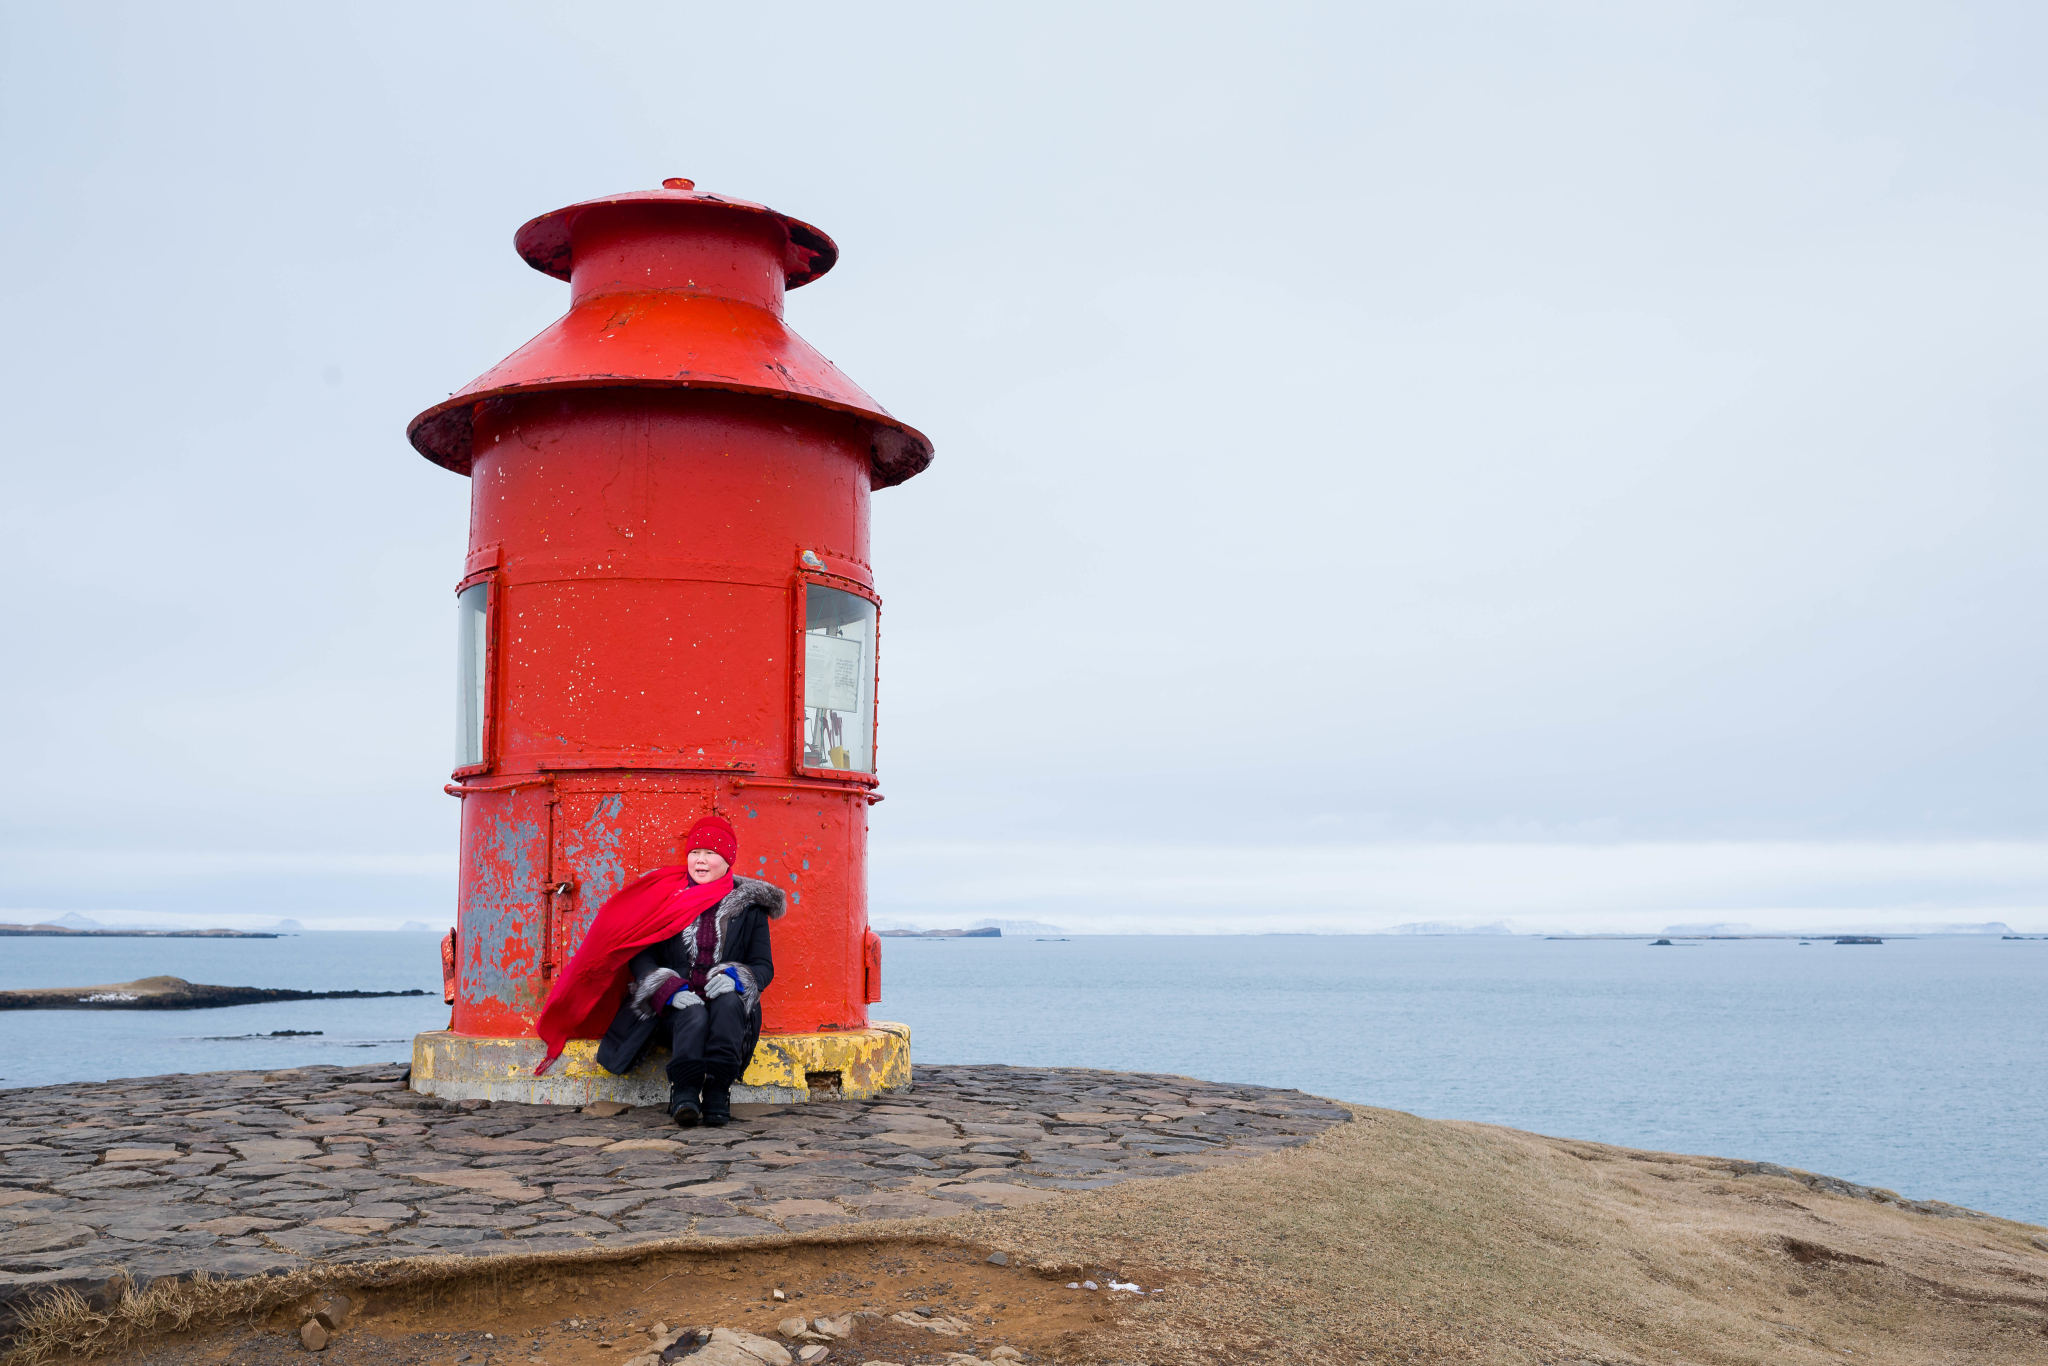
585	997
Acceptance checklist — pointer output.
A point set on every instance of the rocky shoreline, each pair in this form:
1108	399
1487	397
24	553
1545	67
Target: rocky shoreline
171	993
240	1174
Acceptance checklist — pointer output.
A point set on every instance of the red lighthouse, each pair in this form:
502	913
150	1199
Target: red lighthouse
667	610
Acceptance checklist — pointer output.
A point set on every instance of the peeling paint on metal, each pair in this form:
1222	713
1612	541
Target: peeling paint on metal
499	912
871	1062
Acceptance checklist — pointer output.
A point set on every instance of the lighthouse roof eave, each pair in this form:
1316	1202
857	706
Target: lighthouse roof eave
443	433
670	339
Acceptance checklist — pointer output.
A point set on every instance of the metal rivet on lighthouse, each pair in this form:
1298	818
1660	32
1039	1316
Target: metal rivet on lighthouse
625	449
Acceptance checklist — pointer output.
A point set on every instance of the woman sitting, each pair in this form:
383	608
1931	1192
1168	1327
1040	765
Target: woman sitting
693	942
701	988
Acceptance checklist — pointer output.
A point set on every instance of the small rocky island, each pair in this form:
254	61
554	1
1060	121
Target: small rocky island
170	993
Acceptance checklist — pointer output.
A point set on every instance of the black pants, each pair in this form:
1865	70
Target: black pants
704	1042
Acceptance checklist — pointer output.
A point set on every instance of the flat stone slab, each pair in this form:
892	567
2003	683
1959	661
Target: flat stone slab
250	1173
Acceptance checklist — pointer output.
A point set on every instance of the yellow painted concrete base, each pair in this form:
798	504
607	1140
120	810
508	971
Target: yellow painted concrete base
787	1069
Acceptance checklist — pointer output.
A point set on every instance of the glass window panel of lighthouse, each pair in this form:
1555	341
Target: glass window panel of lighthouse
839	678
472	615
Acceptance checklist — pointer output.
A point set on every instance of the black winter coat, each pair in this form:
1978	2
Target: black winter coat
742	941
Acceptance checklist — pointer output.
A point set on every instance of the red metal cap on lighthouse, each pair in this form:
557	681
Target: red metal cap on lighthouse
667	611
706	275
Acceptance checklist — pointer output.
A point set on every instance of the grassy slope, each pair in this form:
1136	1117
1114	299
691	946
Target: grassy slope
1396	1237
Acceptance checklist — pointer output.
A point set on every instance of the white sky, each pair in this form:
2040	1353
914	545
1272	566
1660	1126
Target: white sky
1577	464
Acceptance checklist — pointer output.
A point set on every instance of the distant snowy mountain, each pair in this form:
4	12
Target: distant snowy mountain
1861	927
1920	927
415	927
1449	927
72	920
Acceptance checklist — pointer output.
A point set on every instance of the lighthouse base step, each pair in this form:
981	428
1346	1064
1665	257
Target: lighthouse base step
788	1069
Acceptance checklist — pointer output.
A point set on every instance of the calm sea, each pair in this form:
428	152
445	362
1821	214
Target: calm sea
1918	1065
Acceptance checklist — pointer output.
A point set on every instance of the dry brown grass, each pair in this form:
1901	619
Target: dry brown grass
63	1323
1396	1238
1391	1239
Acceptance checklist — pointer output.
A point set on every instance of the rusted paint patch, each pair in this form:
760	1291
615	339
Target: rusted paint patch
869	1061
501	924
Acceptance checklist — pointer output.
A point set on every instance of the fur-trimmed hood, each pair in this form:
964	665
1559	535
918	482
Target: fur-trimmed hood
747	894
752	894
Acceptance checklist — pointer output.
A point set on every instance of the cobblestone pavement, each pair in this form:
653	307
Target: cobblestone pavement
249	1173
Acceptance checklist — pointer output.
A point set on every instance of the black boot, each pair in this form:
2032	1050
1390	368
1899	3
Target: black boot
718	1103
683	1107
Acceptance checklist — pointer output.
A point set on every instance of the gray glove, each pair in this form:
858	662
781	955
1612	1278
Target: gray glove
721	981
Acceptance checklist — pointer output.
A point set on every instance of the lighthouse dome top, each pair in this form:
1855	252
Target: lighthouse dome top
673	289
544	242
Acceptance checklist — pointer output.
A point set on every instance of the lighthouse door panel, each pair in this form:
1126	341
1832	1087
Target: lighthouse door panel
500	942
594	856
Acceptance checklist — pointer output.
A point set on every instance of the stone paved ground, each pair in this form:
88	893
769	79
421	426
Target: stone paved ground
247	1173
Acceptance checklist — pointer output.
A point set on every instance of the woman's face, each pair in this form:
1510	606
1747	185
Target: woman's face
705	866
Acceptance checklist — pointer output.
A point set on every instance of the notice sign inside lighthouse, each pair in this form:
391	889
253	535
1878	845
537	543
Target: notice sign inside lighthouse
832	672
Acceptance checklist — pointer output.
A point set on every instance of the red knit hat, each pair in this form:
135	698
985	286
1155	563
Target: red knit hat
716	834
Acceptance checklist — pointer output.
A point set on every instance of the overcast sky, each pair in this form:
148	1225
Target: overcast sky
1572	464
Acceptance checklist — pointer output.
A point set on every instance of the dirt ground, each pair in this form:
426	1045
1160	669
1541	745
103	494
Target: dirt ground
1392	1239
581	1314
